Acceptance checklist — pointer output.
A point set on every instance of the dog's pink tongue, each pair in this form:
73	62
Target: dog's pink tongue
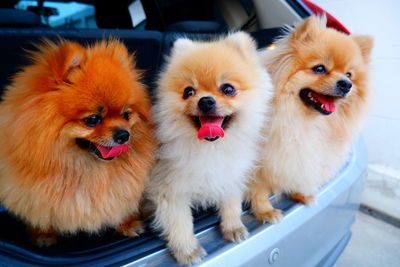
328	101
109	152
210	127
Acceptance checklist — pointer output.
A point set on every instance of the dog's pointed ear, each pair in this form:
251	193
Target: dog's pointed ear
63	58
180	46
308	30
242	42
117	50
365	43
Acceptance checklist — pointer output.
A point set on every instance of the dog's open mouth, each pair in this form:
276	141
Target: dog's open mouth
325	104
211	128
102	152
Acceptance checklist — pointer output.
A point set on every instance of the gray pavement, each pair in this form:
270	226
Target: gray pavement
374	243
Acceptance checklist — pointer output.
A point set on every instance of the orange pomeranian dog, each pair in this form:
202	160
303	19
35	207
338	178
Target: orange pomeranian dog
76	141
321	97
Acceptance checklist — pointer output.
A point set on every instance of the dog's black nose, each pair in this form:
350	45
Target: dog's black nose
207	104
120	136
344	86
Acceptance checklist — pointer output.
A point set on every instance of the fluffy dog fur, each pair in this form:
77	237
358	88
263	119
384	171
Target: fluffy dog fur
47	178
192	172
303	148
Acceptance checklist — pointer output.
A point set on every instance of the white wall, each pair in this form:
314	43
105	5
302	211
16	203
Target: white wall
380	19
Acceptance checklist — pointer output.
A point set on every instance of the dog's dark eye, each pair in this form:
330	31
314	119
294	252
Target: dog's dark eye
126	115
319	69
92	120
227	89
348	75
188	92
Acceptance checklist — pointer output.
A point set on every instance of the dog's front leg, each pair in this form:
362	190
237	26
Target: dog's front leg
260	204
231	224
131	226
174	216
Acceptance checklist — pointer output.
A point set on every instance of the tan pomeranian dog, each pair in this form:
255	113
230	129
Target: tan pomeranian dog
77	142
321	97
211	106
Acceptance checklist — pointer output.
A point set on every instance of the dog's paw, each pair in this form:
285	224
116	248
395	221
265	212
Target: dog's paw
131	228
306	200
236	235
271	216
44	239
189	256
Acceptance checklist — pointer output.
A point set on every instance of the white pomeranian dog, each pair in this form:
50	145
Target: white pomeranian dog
212	101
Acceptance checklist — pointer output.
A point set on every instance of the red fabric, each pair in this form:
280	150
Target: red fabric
332	22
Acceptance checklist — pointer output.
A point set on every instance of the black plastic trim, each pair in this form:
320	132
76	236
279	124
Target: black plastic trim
300	8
